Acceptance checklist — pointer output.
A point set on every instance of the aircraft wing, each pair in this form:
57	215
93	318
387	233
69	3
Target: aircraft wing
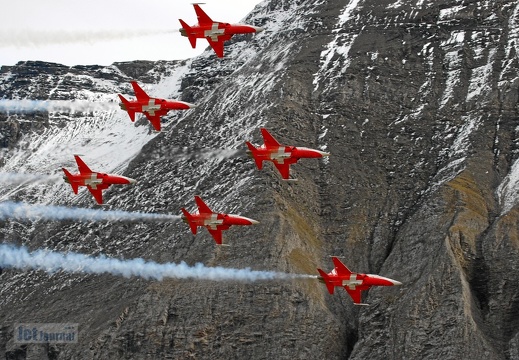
355	295
97	193
284	169
202	206
217	46
154	120
203	18
82	167
217	235
340	267
269	139
139	93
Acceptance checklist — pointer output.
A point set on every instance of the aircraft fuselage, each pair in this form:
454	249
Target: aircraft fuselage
217	29
94	179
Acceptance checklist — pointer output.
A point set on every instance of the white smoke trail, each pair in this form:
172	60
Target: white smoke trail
198	153
20	178
28	37
221	153
22	211
68	106
51	261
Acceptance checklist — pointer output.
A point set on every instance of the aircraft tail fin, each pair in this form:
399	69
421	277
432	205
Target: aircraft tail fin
189	219
187	31
70	180
254	152
126	107
326	279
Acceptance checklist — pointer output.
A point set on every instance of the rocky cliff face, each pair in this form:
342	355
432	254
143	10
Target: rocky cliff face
416	101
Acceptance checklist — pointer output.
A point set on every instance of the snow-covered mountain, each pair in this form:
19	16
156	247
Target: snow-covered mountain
417	103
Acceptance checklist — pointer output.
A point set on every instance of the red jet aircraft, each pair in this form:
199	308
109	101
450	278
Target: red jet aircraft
353	283
153	108
214	222
214	31
94	181
282	156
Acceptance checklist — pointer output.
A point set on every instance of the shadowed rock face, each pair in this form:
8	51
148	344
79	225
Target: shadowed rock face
417	103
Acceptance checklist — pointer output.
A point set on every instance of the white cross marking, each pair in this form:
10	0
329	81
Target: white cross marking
93	181
151	107
213	222
214	32
280	155
352	282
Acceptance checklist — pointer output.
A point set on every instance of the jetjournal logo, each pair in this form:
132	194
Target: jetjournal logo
56	333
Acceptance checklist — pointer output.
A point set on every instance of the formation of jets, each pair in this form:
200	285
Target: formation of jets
215	32
353	283
281	156
214	222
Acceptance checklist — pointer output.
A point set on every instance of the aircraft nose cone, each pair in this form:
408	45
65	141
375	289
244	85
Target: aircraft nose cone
258	29
323	154
247	221
132	181
396	282
189	105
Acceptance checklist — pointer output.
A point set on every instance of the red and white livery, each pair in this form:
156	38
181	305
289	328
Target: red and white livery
215	32
282	156
95	182
352	282
214	222
153	108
